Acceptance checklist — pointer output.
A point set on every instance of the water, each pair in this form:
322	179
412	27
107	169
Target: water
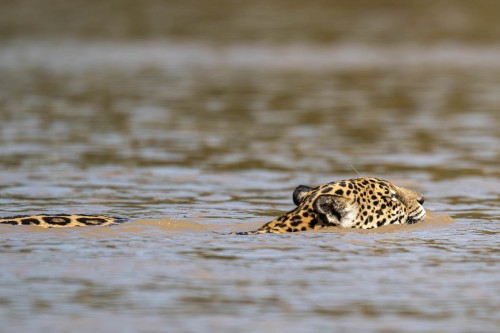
195	130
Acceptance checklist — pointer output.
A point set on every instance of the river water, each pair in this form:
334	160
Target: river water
192	139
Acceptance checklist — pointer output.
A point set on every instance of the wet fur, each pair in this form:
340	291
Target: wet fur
61	220
364	203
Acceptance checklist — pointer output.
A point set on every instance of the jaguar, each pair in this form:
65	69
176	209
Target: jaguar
364	203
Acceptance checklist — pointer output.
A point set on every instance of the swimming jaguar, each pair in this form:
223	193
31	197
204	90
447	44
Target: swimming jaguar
352	203
364	203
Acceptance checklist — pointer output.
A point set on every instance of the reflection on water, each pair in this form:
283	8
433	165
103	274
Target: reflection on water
274	119
193	137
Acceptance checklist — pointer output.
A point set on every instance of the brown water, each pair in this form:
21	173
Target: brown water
196	120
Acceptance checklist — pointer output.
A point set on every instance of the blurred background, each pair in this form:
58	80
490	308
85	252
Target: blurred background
296	91
378	22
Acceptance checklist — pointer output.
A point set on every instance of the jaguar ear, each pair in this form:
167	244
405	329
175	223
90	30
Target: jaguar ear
336	210
300	193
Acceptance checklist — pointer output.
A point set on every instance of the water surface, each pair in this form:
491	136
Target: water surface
192	136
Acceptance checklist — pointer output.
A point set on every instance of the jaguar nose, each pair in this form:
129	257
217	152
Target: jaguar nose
421	200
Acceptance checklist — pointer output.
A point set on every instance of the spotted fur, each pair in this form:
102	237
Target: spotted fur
61	220
364	203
